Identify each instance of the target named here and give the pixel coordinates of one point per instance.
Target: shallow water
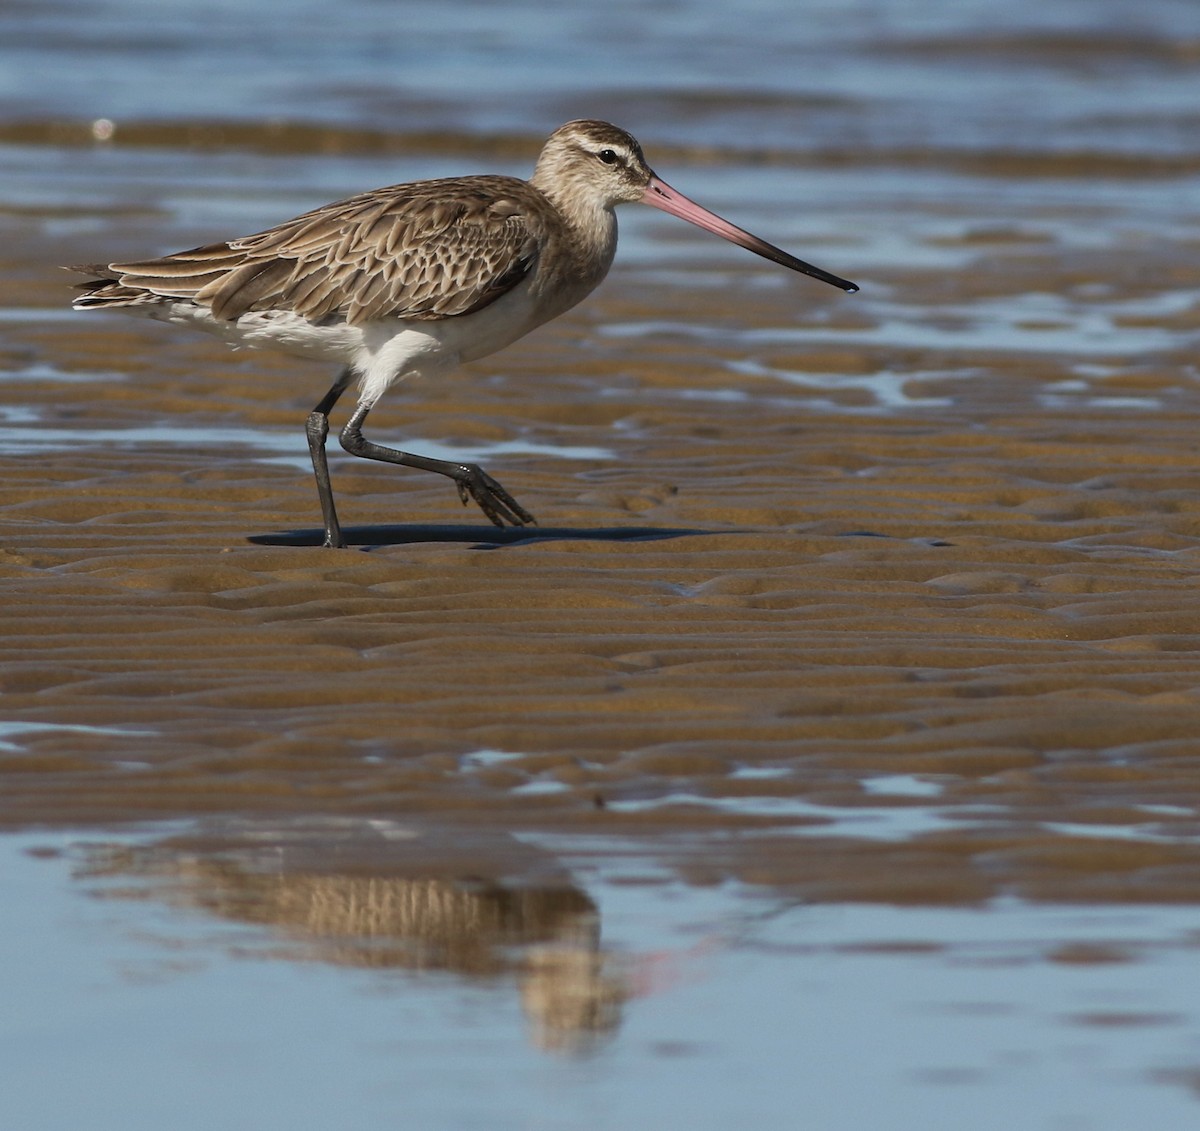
(831, 743)
(150, 968)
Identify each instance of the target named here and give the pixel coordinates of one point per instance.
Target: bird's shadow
(481, 537)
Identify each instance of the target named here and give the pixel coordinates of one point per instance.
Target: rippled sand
(790, 543)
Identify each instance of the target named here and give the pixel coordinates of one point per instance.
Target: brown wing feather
(429, 250)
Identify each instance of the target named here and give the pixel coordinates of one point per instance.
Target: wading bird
(415, 279)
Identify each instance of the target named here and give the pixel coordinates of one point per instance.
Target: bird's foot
(495, 502)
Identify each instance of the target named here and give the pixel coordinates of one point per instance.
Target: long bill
(659, 194)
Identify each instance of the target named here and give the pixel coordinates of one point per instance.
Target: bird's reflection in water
(369, 894)
(571, 992)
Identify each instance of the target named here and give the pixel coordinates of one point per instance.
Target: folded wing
(425, 251)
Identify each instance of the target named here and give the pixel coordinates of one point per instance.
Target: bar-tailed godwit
(416, 278)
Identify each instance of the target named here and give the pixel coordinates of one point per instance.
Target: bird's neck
(586, 241)
(590, 220)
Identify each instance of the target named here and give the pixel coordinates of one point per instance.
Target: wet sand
(753, 604)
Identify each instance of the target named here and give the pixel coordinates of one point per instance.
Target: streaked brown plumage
(416, 278)
(431, 250)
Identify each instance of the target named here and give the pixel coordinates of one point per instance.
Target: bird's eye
(608, 156)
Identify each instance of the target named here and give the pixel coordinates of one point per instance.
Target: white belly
(380, 352)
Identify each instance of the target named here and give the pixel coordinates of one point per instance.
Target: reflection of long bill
(659, 194)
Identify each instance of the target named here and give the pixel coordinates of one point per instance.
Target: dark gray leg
(472, 481)
(317, 428)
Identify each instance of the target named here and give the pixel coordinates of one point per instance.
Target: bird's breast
(573, 262)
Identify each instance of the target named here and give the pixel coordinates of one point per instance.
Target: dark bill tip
(661, 195)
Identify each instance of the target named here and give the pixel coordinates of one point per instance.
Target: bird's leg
(317, 427)
(472, 481)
